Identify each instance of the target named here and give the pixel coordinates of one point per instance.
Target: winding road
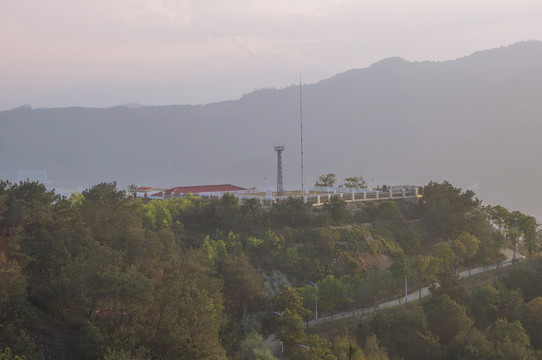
(274, 344)
(415, 295)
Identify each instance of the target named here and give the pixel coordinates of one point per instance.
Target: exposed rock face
(274, 282)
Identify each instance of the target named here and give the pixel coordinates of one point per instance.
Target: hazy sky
(56, 52)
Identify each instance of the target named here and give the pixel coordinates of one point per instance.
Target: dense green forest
(100, 275)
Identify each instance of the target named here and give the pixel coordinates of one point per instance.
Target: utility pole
(301, 121)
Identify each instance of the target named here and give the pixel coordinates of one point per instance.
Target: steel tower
(279, 148)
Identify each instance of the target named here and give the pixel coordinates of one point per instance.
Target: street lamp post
(316, 286)
(406, 290)
(307, 347)
(282, 332)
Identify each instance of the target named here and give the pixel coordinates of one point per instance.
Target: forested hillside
(99, 275)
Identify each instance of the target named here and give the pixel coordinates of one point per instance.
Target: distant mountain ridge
(473, 121)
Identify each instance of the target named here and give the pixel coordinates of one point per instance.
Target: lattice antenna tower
(279, 148)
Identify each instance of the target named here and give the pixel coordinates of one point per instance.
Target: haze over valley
(151, 156)
(473, 121)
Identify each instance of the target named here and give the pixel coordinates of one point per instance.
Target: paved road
(415, 295)
(274, 344)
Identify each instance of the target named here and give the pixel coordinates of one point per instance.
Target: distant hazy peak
(512, 58)
(521, 51)
(390, 62)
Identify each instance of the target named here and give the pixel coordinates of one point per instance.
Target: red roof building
(200, 190)
(143, 188)
(143, 191)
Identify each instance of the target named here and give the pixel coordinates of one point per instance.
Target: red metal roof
(204, 189)
(185, 190)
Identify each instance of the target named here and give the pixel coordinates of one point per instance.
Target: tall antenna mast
(301, 121)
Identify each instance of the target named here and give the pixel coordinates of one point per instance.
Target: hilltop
(472, 120)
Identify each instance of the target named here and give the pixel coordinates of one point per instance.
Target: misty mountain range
(474, 121)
